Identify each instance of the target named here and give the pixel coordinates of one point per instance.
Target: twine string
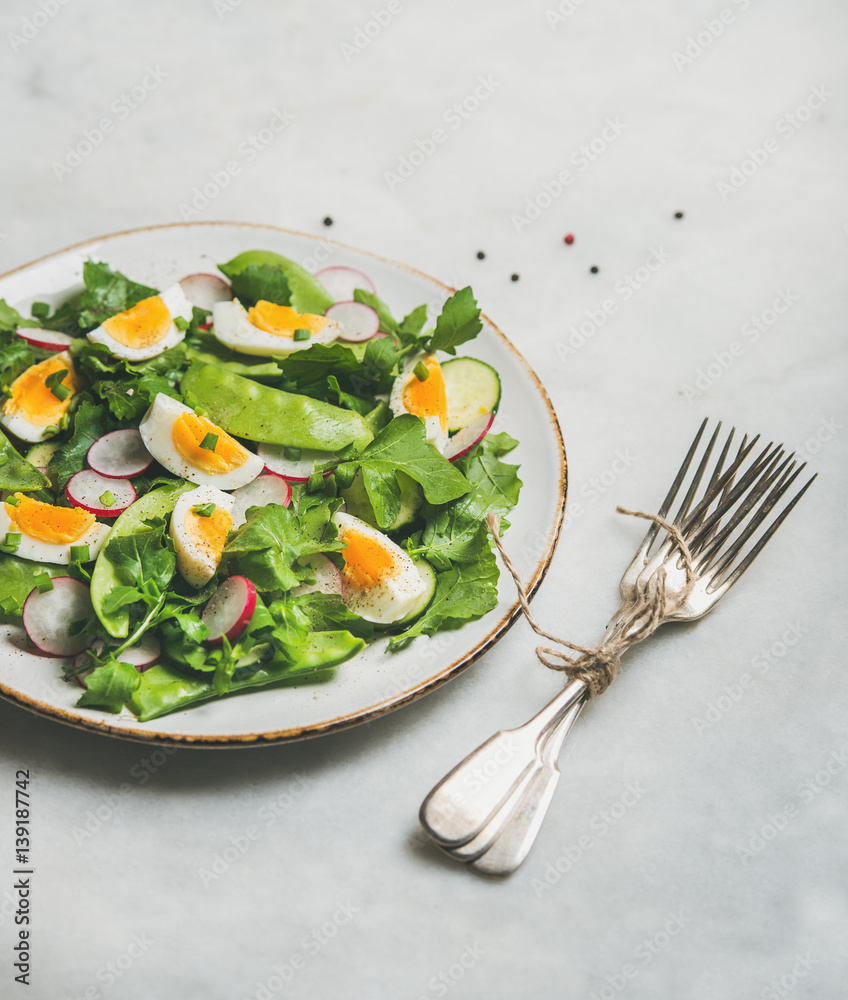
(597, 666)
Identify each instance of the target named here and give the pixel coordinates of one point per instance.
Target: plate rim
(341, 722)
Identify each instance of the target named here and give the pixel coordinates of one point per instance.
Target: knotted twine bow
(597, 666)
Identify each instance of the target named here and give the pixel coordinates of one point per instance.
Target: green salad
(242, 479)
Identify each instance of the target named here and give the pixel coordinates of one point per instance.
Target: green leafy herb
(16, 473)
(91, 421)
(259, 282)
(110, 685)
(209, 442)
(18, 577)
(204, 509)
(388, 324)
(458, 322)
(107, 292)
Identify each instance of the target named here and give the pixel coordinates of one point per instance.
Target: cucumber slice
(358, 504)
(473, 388)
(40, 454)
(428, 575)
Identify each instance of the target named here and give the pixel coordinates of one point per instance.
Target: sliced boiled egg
(269, 330)
(33, 410)
(47, 533)
(200, 523)
(194, 448)
(426, 398)
(147, 328)
(379, 580)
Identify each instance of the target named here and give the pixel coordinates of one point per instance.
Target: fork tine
(647, 541)
(699, 473)
(724, 482)
(781, 473)
(761, 542)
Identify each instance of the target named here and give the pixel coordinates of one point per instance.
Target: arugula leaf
(16, 356)
(10, 318)
(265, 547)
(110, 685)
(90, 422)
(388, 324)
(205, 347)
(259, 281)
(462, 593)
(412, 325)
(458, 322)
(107, 292)
(145, 563)
(16, 473)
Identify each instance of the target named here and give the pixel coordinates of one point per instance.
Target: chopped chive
(80, 553)
(180, 323)
(13, 500)
(314, 482)
(200, 412)
(107, 499)
(50, 430)
(204, 509)
(421, 372)
(54, 384)
(292, 454)
(40, 310)
(12, 540)
(209, 442)
(302, 334)
(9, 605)
(44, 583)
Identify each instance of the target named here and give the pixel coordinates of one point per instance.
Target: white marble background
(662, 900)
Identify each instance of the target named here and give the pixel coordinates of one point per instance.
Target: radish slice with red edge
(463, 441)
(358, 321)
(328, 580)
(341, 282)
(295, 470)
(142, 656)
(119, 455)
(47, 340)
(204, 290)
(265, 489)
(229, 610)
(47, 617)
(99, 495)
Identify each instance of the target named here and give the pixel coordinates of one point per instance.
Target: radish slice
(263, 490)
(204, 290)
(229, 610)
(463, 441)
(119, 455)
(294, 470)
(358, 321)
(47, 617)
(328, 580)
(47, 340)
(142, 656)
(87, 489)
(340, 282)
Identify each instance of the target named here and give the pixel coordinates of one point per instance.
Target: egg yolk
(427, 398)
(209, 534)
(366, 561)
(283, 320)
(188, 433)
(30, 397)
(46, 523)
(145, 324)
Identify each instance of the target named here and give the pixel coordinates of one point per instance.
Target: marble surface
(695, 846)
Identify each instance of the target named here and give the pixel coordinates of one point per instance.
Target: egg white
(177, 304)
(25, 429)
(233, 329)
(433, 432)
(391, 598)
(53, 552)
(157, 433)
(196, 562)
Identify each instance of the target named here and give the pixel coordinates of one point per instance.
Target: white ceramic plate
(374, 682)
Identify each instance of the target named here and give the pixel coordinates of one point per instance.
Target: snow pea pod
(308, 295)
(260, 413)
(157, 503)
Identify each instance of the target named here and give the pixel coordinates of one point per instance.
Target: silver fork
(489, 808)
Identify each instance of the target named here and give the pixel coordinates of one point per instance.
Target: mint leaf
(458, 322)
(107, 292)
(259, 281)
